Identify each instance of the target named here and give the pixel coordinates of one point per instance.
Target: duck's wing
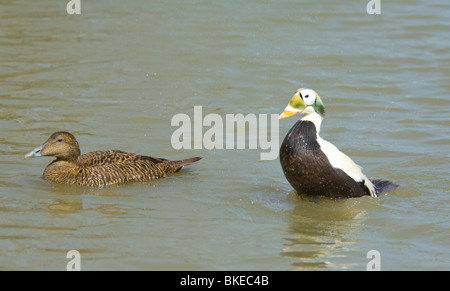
(103, 158)
(343, 162)
(132, 169)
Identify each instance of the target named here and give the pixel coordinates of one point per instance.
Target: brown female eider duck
(100, 168)
(314, 166)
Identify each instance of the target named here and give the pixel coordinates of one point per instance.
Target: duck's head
(61, 145)
(305, 101)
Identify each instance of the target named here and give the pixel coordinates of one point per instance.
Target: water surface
(116, 74)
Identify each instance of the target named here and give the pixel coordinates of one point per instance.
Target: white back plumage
(337, 158)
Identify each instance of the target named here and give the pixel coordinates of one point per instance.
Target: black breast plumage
(308, 169)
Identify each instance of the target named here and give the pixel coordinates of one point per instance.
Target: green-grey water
(116, 74)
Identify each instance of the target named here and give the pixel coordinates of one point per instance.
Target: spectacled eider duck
(100, 168)
(315, 167)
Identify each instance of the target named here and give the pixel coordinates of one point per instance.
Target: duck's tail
(175, 166)
(190, 161)
(383, 186)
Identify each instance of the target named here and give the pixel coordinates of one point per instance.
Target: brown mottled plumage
(100, 168)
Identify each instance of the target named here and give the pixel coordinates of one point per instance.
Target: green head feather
(304, 98)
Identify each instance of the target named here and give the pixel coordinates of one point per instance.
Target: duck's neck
(314, 118)
(71, 160)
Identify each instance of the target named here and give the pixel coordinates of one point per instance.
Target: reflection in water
(322, 230)
(66, 205)
(69, 199)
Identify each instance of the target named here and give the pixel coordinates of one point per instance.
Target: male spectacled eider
(100, 168)
(314, 166)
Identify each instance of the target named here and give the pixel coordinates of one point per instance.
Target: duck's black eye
(60, 140)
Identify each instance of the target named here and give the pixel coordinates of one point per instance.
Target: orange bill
(286, 114)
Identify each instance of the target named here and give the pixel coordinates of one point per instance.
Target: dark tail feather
(383, 186)
(187, 162)
(175, 166)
